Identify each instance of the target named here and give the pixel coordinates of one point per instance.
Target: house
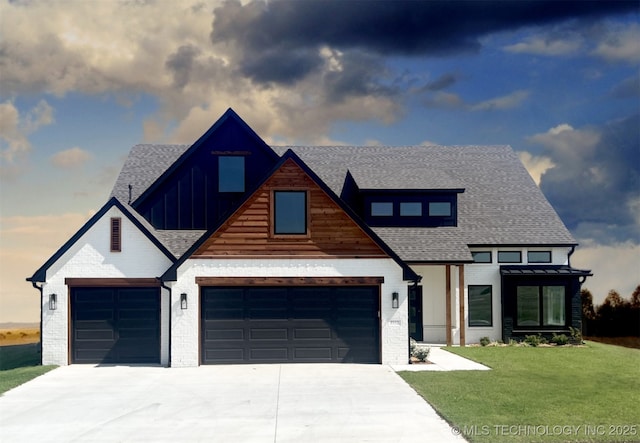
(232, 251)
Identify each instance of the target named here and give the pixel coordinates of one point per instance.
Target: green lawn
(19, 364)
(554, 394)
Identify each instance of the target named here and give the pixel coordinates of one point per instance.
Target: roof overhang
(543, 270)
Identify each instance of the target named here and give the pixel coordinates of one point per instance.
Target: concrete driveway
(264, 403)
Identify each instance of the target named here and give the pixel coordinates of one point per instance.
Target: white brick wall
(90, 257)
(185, 323)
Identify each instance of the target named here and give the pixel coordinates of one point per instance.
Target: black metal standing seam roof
(500, 205)
(543, 270)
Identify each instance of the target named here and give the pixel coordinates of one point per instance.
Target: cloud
(535, 165)
(620, 44)
(70, 158)
(595, 180)
(509, 101)
(539, 45)
(442, 82)
(436, 28)
(15, 129)
(627, 88)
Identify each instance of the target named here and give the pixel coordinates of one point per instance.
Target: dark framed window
(290, 212)
(541, 306)
(509, 257)
(231, 174)
(381, 209)
(411, 209)
(539, 257)
(116, 234)
(439, 209)
(481, 256)
(480, 312)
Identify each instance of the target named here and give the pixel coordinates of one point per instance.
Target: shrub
(559, 340)
(576, 336)
(484, 341)
(422, 353)
(535, 340)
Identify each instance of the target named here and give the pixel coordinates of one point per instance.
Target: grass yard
(546, 394)
(19, 364)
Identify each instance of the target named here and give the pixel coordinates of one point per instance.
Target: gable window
(540, 306)
(440, 209)
(381, 209)
(116, 234)
(481, 256)
(231, 174)
(509, 257)
(480, 305)
(410, 209)
(290, 212)
(539, 256)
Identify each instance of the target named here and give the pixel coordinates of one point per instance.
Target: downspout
(162, 285)
(40, 289)
(573, 249)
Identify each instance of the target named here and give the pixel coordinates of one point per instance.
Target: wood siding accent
(113, 282)
(462, 308)
(331, 232)
(289, 281)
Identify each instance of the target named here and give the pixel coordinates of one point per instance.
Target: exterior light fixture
(183, 301)
(53, 302)
(394, 300)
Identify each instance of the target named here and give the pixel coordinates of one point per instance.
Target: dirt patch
(627, 342)
(22, 336)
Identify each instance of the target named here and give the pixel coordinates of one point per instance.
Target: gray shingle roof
(500, 205)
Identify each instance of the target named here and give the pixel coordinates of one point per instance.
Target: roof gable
(41, 274)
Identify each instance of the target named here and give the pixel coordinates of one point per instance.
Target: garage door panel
(115, 325)
(290, 324)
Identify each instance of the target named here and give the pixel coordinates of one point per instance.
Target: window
(411, 209)
(480, 305)
(481, 256)
(509, 257)
(541, 306)
(440, 209)
(290, 212)
(116, 234)
(230, 174)
(539, 256)
(381, 209)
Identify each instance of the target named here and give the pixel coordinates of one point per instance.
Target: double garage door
(290, 324)
(115, 325)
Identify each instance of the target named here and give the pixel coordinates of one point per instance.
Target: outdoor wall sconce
(183, 301)
(53, 302)
(394, 300)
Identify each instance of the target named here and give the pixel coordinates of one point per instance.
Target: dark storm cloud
(408, 28)
(596, 195)
(181, 63)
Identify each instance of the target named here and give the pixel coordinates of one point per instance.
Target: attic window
(440, 209)
(116, 234)
(290, 213)
(381, 209)
(230, 174)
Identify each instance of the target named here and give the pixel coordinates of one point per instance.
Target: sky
(81, 82)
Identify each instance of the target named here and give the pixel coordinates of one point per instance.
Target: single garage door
(115, 325)
(290, 324)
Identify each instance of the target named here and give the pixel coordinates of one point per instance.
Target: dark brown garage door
(115, 325)
(290, 324)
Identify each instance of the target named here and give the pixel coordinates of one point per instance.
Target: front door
(415, 312)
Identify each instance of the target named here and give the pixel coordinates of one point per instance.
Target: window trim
(244, 173)
(273, 218)
(541, 307)
(510, 261)
(550, 260)
(482, 262)
(115, 234)
(381, 203)
(490, 325)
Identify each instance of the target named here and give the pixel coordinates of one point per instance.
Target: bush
(560, 340)
(422, 353)
(535, 340)
(484, 341)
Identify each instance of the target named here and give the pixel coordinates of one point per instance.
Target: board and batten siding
(330, 230)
